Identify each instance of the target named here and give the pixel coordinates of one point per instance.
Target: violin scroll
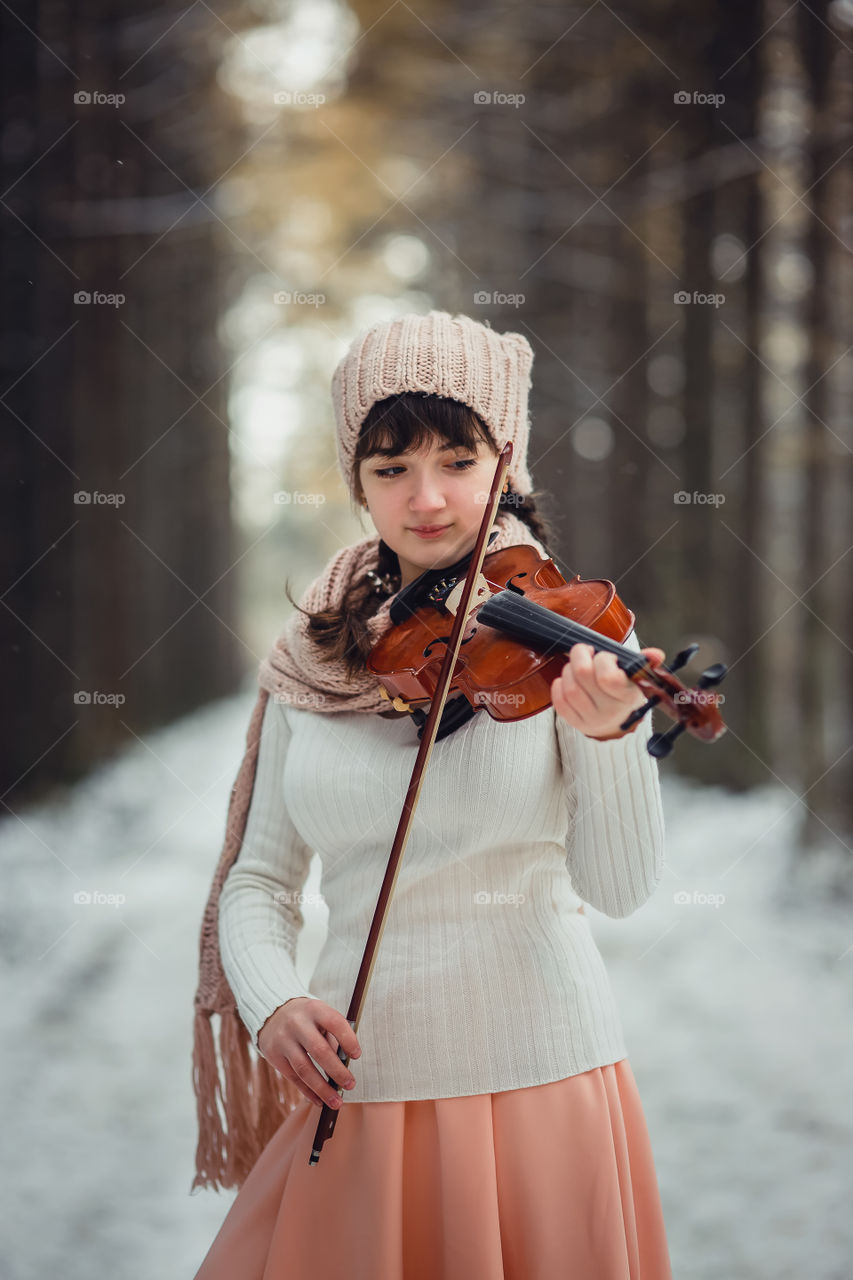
(660, 744)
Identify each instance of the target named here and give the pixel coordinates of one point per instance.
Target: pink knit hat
(442, 355)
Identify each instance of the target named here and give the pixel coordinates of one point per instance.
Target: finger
(591, 697)
(344, 1034)
(307, 1072)
(328, 1061)
(655, 656)
(571, 701)
(333, 1040)
(582, 660)
(612, 682)
(335, 1045)
(563, 706)
(289, 1074)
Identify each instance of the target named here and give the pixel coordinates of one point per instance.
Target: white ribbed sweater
(487, 976)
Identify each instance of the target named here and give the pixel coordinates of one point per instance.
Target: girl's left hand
(594, 695)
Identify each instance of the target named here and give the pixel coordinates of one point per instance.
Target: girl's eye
(461, 464)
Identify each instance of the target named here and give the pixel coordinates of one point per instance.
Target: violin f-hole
(445, 640)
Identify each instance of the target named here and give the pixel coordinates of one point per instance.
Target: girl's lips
(431, 533)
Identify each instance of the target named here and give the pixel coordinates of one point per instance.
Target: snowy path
(737, 1019)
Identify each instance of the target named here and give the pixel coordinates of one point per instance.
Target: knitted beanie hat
(442, 355)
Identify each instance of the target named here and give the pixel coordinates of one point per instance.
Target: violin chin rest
(457, 711)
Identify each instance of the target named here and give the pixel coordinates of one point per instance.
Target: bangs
(405, 423)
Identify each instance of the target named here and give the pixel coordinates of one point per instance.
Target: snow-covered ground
(736, 1005)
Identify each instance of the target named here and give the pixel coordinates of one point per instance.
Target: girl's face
(439, 486)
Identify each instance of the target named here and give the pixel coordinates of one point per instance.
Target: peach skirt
(529, 1184)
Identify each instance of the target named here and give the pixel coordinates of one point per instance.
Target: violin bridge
(479, 595)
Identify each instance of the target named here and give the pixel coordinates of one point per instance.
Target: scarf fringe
(253, 1097)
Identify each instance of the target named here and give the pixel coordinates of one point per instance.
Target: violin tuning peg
(712, 676)
(681, 659)
(660, 744)
(637, 715)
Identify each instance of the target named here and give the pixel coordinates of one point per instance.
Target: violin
(524, 620)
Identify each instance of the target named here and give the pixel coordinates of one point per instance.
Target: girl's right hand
(301, 1027)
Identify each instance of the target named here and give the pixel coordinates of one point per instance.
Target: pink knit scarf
(241, 1103)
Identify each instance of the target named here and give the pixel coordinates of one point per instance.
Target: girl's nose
(427, 496)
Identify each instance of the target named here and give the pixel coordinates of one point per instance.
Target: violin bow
(474, 585)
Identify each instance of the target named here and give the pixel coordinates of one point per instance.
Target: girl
(491, 1126)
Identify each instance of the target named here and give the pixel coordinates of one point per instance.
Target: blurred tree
(126, 593)
(824, 655)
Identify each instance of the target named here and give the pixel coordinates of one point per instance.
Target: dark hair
(400, 424)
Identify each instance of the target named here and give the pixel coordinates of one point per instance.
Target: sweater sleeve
(615, 845)
(259, 912)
